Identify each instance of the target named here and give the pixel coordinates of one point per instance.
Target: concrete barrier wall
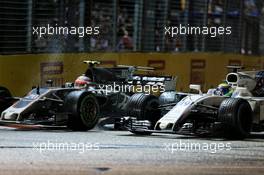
(20, 72)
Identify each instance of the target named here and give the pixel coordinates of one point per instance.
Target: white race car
(213, 113)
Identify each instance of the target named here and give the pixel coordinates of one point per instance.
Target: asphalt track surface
(120, 152)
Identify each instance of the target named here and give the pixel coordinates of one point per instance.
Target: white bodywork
(14, 112)
(169, 119)
(181, 110)
(242, 83)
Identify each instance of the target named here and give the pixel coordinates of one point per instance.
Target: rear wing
(234, 69)
(135, 68)
(127, 74)
(138, 68)
(169, 82)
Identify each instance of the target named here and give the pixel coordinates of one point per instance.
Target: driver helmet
(82, 81)
(223, 88)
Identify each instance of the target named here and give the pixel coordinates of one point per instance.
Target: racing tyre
(4, 103)
(83, 113)
(143, 107)
(236, 117)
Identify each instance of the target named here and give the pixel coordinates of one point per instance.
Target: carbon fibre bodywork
(55, 106)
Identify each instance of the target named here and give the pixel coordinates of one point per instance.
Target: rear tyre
(84, 116)
(236, 117)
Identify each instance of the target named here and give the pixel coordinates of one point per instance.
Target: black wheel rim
(88, 111)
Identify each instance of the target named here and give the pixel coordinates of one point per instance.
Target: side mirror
(196, 87)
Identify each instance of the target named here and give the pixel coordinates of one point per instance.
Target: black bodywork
(52, 106)
(63, 106)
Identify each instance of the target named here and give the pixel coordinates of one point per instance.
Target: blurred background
(132, 33)
(132, 25)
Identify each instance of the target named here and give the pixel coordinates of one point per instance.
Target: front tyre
(85, 114)
(235, 114)
(144, 107)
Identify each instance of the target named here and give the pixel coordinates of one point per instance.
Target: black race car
(6, 99)
(79, 105)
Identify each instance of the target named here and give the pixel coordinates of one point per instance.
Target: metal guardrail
(132, 25)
